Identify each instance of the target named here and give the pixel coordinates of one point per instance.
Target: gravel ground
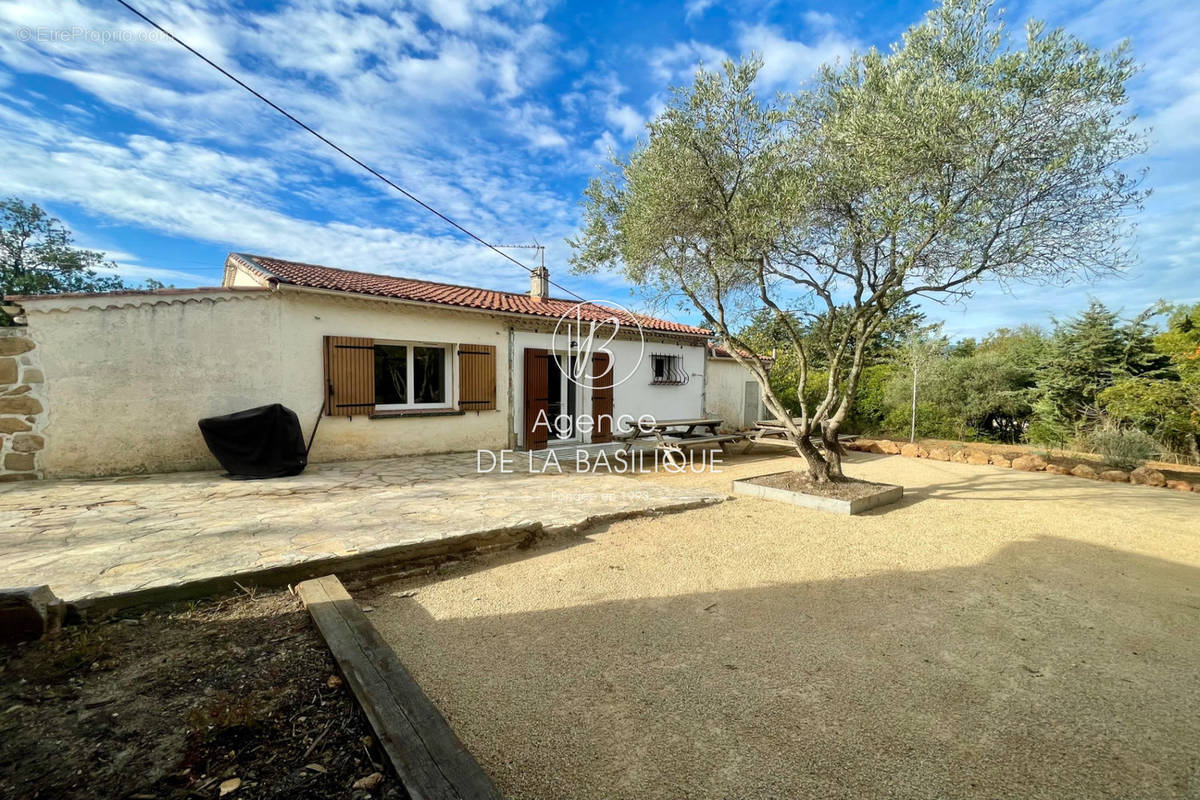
(996, 634)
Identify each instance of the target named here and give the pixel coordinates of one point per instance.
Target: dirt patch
(800, 482)
(171, 705)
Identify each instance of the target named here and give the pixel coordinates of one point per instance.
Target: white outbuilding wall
(732, 394)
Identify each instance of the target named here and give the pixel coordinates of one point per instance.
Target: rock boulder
(1029, 463)
(29, 613)
(1146, 476)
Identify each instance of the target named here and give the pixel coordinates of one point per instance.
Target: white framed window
(412, 375)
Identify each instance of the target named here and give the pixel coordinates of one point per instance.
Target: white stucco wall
(725, 392)
(127, 378)
(309, 317)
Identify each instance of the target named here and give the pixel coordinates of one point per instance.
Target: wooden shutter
(349, 376)
(477, 377)
(537, 397)
(602, 398)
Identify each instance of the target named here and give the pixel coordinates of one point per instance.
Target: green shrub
(1124, 448)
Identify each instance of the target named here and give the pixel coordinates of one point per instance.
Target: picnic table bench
(666, 435)
(768, 430)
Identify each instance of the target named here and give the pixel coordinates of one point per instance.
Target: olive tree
(959, 156)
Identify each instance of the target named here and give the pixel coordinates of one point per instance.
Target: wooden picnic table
(672, 435)
(766, 430)
(666, 426)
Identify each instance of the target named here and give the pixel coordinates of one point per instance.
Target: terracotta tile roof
(720, 351)
(314, 276)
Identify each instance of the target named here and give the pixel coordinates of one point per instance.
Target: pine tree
(1089, 353)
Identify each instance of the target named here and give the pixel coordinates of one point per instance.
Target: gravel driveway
(998, 634)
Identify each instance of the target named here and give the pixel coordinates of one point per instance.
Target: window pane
(391, 374)
(429, 375)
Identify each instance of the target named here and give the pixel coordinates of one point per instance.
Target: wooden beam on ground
(431, 761)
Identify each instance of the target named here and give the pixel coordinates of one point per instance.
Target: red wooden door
(537, 398)
(602, 398)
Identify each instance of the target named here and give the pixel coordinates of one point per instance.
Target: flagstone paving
(92, 539)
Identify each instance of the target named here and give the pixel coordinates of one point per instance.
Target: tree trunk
(818, 466)
(833, 450)
(912, 431)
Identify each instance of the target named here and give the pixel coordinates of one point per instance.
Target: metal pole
(912, 433)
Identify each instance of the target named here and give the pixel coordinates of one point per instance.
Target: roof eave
(295, 287)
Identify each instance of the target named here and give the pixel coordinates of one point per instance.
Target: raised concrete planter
(886, 495)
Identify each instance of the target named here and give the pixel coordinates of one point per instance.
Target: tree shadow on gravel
(1055, 669)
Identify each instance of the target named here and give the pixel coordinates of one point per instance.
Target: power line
(336, 147)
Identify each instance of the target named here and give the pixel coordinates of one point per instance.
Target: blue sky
(495, 113)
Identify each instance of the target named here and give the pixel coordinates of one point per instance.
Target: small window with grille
(667, 370)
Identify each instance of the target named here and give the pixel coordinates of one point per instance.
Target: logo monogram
(581, 339)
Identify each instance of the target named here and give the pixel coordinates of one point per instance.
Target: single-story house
(114, 383)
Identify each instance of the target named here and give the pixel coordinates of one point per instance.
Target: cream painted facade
(128, 375)
(732, 393)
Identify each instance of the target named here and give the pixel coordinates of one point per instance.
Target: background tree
(37, 257)
(920, 354)
(954, 158)
(1164, 402)
(1088, 354)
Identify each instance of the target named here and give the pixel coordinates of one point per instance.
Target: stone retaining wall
(22, 406)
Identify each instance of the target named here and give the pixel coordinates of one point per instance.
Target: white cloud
(696, 8)
(676, 65)
(624, 118)
(186, 202)
(819, 20)
(788, 63)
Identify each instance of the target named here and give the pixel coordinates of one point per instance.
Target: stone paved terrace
(144, 537)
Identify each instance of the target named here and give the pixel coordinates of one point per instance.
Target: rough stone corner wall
(22, 406)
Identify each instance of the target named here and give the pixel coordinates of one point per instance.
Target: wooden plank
(477, 377)
(431, 761)
(693, 440)
(602, 398)
(536, 391)
(349, 376)
(679, 423)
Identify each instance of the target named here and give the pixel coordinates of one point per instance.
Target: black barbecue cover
(263, 442)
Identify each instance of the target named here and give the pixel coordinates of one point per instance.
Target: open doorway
(562, 398)
(551, 399)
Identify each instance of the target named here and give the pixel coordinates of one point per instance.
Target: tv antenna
(540, 248)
